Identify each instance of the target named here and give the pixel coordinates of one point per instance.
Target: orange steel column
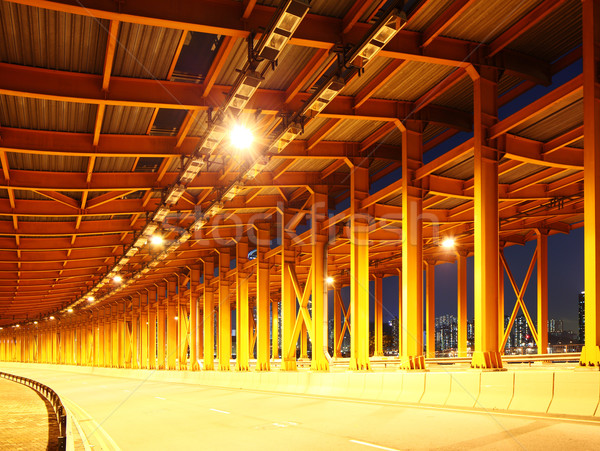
(319, 361)
(412, 250)
(304, 343)
(461, 270)
(172, 323)
(114, 332)
(144, 322)
(152, 325)
(194, 323)
(135, 339)
(542, 291)
(123, 339)
(208, 314)
(359, 270)
(275, 330)
(590, 354)
(378, 313)
(486, 352)
(337, 320)
(399, 270)
(501, 303)
(242, 309)
(161, 317)
(262, 298)
(430, 307)
(288, 304)
(224, 311)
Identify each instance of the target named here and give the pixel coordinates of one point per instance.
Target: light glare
(90, 298)
(241, 137)
(448, 243)
(156, 240)
(329, 280)
(118, 279)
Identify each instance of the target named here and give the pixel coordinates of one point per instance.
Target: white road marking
(279, 425)
(158, 397)
(358, 442)
(221, 411)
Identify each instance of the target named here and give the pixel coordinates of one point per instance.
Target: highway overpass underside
(135, 233)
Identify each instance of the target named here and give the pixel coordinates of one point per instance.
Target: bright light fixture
(156, 240)
(35, 322)
(241, 137)
(448, 243)
(70, 310)
(90, 298)
(117, 279)
(329, 280)
(52, 317)
(177, 318)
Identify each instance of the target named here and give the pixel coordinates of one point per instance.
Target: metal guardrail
(53, 398)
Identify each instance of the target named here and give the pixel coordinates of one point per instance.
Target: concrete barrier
(391, 387)
(576, 392)
(339, 383)
(496, 390)
(464, 389)
(437, 388)
(373, 386)
(413, 386)
(533, 391)
(356, 384)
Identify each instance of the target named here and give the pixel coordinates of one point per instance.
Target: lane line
(221, 411)
(372, 445)
(158, 397)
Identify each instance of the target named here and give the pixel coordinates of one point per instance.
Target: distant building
(555, 325)
(446, 332)
(582, 317)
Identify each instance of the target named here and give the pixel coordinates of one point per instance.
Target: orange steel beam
(180, 44)
(111, 46)
(322, 133)
(59, 197)
(248, 7)
(302, 78)
(379, 134)
(215, 68)
(444, 20)
(378, 81)
(572, 88)
(525, 24)
(354, 14)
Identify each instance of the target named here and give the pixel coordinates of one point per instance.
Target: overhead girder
(63, 86)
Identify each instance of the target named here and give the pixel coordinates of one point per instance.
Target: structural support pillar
(224, 311)
(208, 312)
(320, 353)
(275, 330)
(590, 354)
(486, 353)
(337, 321)
(152, 326)
(412, 357)
(542, 291)
(242, 309)
(461, 270)
(161, 316)
(378, 311)
(263, 300)
(144, 331)
(359, 269)
(430, 308)
(194, 329)
(288, 303)
(172, 320)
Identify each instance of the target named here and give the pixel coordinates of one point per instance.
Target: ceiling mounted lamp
(243, 90)
(131, 251)
(286, 23)
(174, 193)
(156, 240)
(90, 298)
(198, 223)
(448, 243)
(232, 191)
(161, 213)
(285, 137)
(70, 310)
(241, 137)
(381, 33)
(117, 279)
(213, 137)
(329, 280)
(192, 166)
(321, 98)
(256, 168)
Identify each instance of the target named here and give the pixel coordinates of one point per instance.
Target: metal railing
(53, 398)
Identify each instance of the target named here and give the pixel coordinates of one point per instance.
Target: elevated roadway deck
(182, 410)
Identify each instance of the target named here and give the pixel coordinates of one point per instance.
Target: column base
(288, 365)
(487, 360)
(264, 366)
(242, 367)
(318, 365)
(412, 362)
(590, 356)
(356, 365)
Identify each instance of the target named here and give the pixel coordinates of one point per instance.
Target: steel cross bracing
(422, 74)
